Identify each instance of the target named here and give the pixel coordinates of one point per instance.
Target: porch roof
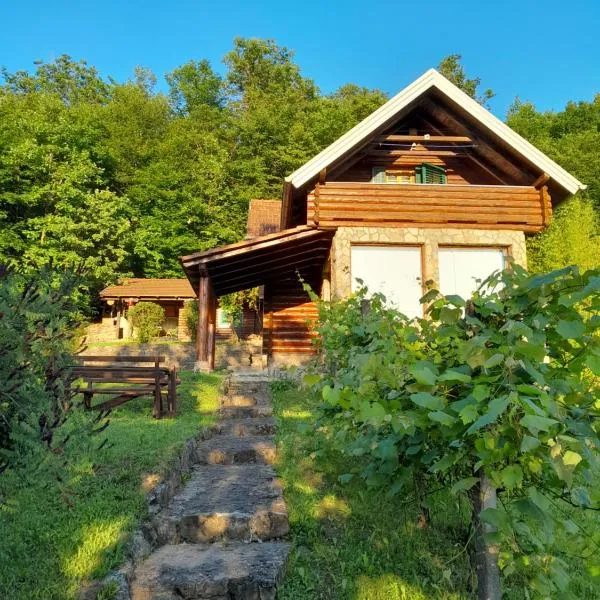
(251, 263)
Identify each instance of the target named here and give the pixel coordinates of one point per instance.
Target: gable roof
(263, 217)
(386, 113)
(149, 288)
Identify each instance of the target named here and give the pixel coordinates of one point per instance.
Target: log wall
(287, 317)
(334, 204)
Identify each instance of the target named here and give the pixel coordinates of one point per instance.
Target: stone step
(246, 412)
(230, 450)
(246, 427)
(234, 571)
(245, 400)
(248, 387)
(237, 502)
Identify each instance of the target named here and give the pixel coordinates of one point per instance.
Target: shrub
(496, 395)
(190, 316)
(39, 321)
(147, 319)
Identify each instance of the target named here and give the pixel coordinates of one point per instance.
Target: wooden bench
(156, 381)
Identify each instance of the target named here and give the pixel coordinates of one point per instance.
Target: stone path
(221, 536)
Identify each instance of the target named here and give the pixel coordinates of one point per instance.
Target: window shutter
(378, 175)
(427, 173)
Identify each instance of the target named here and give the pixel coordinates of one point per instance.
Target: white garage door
(394, 271)
(460, 268)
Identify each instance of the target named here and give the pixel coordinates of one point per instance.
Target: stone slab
(235, 571)
(235, 502)
(231, 450)
(246, 427)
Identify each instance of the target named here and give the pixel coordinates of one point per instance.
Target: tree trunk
(483, 496)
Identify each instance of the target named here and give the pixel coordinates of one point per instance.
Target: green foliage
(126, 179)
(349, 542)
(147, 319)
(570, 137)
(510, 390)
(39, 317)
(451, 68)
(190, 316)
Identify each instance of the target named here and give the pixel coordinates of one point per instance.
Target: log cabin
(429, 187)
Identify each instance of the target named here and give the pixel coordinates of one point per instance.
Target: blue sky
(544, 51)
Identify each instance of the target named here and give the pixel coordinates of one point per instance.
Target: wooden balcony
(332, 204)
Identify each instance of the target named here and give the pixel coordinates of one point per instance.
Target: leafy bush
(496, 394)
(147, 319)
(190, 316)
(39, 320)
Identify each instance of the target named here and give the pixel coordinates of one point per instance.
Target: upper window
(427, 173)
(424, 173)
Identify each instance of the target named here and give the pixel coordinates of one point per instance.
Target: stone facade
(429, 240)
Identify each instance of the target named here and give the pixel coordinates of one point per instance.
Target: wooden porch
(273, 261)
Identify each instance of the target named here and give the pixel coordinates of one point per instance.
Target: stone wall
(105, 331)
(428, 239)
(182, 331)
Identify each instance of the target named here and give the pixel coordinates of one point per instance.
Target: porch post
(205, 336)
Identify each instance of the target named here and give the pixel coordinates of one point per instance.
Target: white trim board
(432, 79)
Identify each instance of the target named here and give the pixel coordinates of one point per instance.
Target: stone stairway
(220, 538)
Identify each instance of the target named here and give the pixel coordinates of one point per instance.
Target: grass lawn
(54, 536)
(351, 542)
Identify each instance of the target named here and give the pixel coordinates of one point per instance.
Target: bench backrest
(86, 358)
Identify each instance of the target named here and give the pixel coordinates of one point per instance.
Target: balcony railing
(334, 204)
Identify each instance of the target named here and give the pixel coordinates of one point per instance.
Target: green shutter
(427, 173)
(378, 175)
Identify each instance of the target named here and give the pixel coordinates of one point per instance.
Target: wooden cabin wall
(287, 314)
(459, 170)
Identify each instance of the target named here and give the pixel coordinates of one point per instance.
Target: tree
(451, 68)
(570, 137)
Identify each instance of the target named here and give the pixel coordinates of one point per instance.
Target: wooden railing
(334, 204)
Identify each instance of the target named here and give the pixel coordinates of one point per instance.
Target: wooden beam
(541, 181)
(424, 139)
(484, 148)
(472, 157)
(205, 337)
(409, 152)
(487, 169)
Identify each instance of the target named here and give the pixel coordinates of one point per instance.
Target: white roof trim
(401, 100)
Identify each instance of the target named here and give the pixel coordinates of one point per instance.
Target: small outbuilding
(170, 294)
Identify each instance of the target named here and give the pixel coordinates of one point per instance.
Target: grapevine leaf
(570, 330)
(468, 414)
(571, 459)
(494, 361)
(536, 423)
(511, 476)
(593, 362)
(427, 400)
(423, 374)
(441, 417)
(529, 443)
(453, 375)
(463, 485)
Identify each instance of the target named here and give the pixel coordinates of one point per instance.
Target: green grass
(57, 535)
(351, 542)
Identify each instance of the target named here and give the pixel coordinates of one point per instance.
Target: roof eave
(432, 79)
